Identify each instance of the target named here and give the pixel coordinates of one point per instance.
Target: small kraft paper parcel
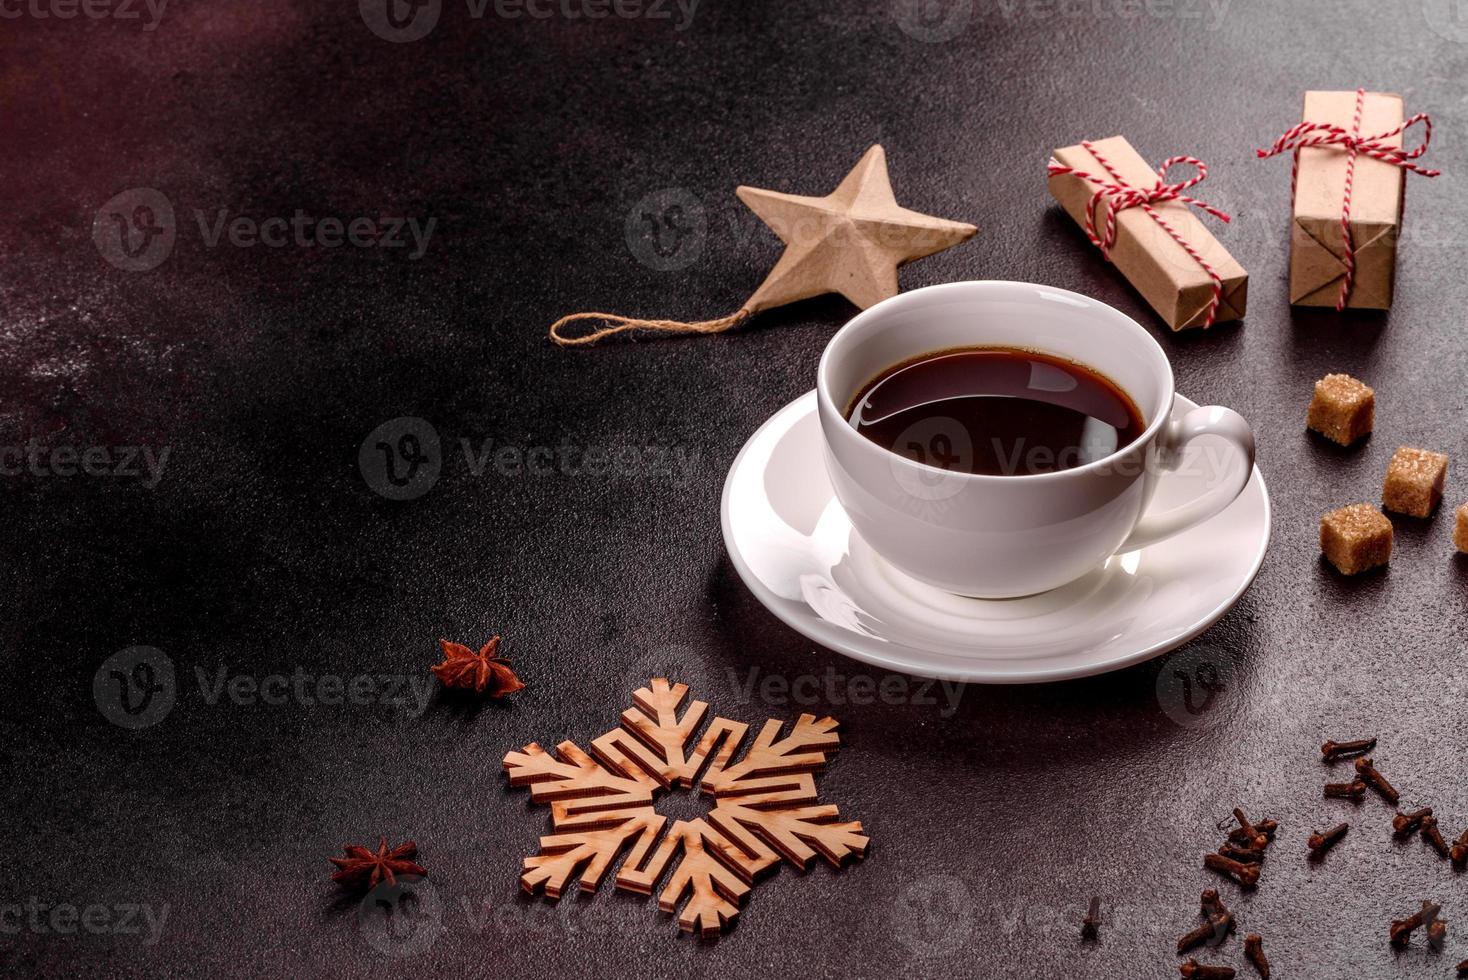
(1349, 181)
(1146, 228)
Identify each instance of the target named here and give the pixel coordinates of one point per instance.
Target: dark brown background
(263, 550)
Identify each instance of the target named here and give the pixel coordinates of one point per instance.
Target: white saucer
(796, 550)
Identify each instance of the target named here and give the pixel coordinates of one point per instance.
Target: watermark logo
(666, 229)
(932, 21)
(946, 450)
(934, 916)
(401, 459)
(400, 21)
(1196, 686)
(1447, 19)
(135, 231)
(401, 919)
(135, 688)
(1260, 224)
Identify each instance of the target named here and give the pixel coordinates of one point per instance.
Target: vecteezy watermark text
(944, 443)
(42, 918)
(137, 229)
(590, 10)
(403, 21)
(837, 689)
(570, 460)
(141, 463)
(943, 20)
(138, 687)
(302, 230)
(402, 459)
(308, 690)
(1102, 10)
(90, 9)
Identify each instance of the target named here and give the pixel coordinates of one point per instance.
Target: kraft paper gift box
(1317, 241)
(1174, 283)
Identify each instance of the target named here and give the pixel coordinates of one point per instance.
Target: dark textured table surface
(518, 146)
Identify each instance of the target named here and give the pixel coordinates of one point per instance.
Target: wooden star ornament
(850, 242)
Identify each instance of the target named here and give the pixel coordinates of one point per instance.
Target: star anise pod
(364, 869)
(483, 671)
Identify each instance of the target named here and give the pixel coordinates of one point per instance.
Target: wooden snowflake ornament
(602, 804)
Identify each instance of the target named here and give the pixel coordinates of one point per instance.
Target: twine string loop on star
(621, 324)
(1118, 196)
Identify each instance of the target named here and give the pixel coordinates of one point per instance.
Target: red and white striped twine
(1119, 195)
(1325, 134)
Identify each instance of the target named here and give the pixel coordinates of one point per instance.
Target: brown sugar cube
(1342, 410)
(1356, 538)
(1414, 481)
(1460, 530)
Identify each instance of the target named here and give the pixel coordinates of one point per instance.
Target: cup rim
(877, 310)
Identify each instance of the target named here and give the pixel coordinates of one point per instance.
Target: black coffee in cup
(996, 411)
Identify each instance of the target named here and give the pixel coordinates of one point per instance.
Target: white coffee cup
(1006, 536)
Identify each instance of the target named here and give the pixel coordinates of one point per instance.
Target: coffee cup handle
(1175, 435)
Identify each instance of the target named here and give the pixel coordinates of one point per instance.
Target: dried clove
(1220, 922)
(1404, 823)
(1437, 929)
(1252, 835)
(1330, 751)
(1401, 930)
(1196, 936)
(1247, 875)
(1254, 953)
(1459, 851)
(1247, 855)
(1367, 771)
(1092, 922)
(1193, 970)
(1320, 842)
(1212, 932)
(1265, 827)
(1353, 790)
(1433, 836)
(1213, 929)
